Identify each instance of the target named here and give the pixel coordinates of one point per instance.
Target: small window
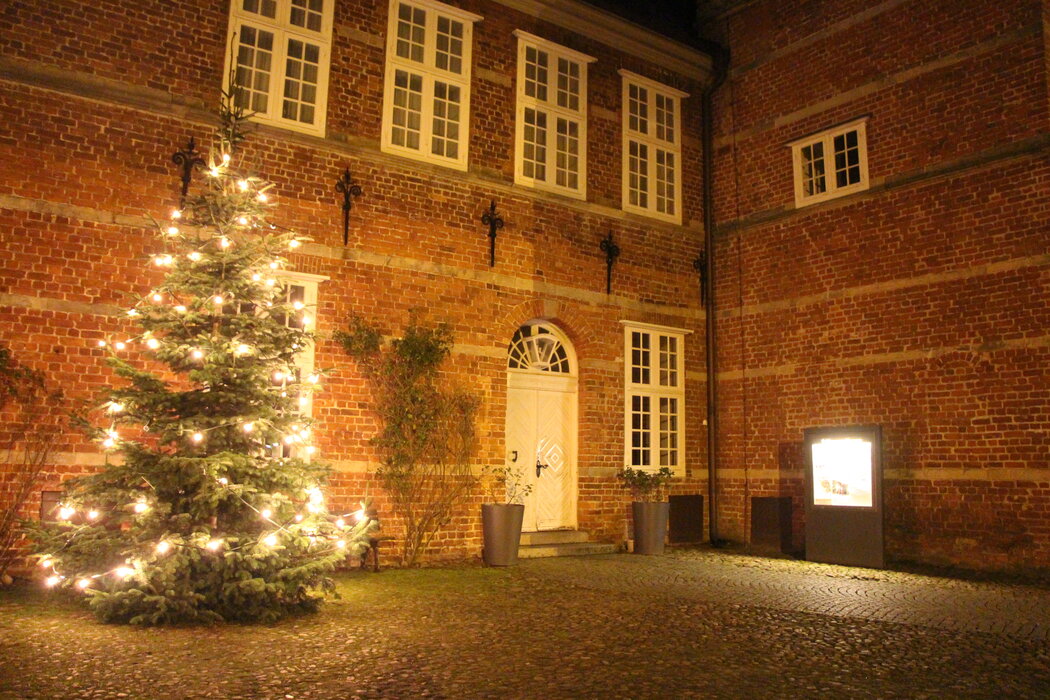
(278, 56)
(426, 104)
(537, 348)
(551, 135)
(831, 164)
(654, 378)
(652, 148)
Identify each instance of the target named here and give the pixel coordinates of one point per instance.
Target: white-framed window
(278, 54)
(551, 118)
(831, 164)
(654, 396)
(300, 289)
(652, 148)
(426, 99)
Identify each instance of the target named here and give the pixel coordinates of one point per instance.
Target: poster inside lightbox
(842, 472)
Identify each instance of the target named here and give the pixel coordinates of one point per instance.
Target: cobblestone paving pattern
(689, 625)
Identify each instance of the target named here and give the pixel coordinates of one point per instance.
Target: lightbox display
(843, 472)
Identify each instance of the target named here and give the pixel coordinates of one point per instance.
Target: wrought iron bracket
(700, 265)
(188, 159)
(348, 188)
(495, 222)
(612, 251)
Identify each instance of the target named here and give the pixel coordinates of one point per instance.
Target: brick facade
(96, 98)
(920, 304)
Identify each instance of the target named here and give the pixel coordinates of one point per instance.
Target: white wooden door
(541, 431)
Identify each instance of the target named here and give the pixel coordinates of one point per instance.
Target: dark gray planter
(650, 526)
(501, 530)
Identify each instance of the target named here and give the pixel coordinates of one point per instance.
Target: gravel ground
(693, 624)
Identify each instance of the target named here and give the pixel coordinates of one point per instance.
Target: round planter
(501, 530)
(650, 526)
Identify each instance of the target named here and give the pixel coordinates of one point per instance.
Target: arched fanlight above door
(538, 347)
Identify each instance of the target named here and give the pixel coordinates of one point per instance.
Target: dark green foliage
(427, 436)
(645, 485)
(215, 510)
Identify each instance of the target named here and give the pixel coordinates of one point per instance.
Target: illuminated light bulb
(197, 354)
(214, 172)
(194, 256)
(52, 581)
(274, 265)
(197, 437)
(109, 443)
(214, 545)
(265, 513)
(270, 540)
(45, 562)
(340, 543)
(304, 433)
(313, 507)
(303, 401)
(289, 439)
(299, 517)
(243, 349)
(315, 494)
(312, 379)
(83, 583)
(65, 513)
(133, 312)
(359, 514)
(294, 243)
(261, 197)
(102, 343)
(306, 320)
(340, 523)
(284, 394)
(225, 157)
(298, 305)
(181, 309)
(256, 277)
(153, 343)
(157, 297)
(176, 214)
(224, 242)
(92, 514)
(141, 507)
(242, 220)
(119, 345)
(160, 261)
(218, 299)
(123, 571)
(243, 184)
(278, 376)
(223, 480)
(248, 427)
(271, 282)
(115, 407)
(172, 230)
(113, 434)
(310, 449)
(163, 547)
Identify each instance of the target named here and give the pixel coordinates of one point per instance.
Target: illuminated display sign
(842, 472)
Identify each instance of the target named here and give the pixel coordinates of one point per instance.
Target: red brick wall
(920, 305)
(101, 95)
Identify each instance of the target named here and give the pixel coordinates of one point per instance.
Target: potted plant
(501, 522)
(649, 508)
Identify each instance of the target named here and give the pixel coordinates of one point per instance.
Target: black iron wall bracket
(700, 265)
(495, 222)
(348, 188)
(188, 159)
(612, 251)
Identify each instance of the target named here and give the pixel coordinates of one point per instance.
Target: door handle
(540, 466)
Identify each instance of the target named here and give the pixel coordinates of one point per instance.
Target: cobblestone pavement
(841, 591)
(693, 624)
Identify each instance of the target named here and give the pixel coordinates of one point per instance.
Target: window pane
(252, 77)
(534, 145)
(536, 73)
(411, 30)
(641, 430)
(641, 362)
(449, 45)
(568, 84)
(665, 181)
(567, 167)
(668, 422)
(638, 109)
(668, 361)
(266, 8)
(300, 81)
(407, 113)
(445, 134)
(813, 169)
(638, 174)
(307, 14)
(847, 159)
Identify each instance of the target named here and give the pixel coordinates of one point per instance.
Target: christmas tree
(215, 511)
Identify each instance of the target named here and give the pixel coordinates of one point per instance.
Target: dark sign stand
(844, 495)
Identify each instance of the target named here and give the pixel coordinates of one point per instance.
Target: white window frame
(655, 391)
(553, 112)
(827, 140)
(651, 142)
(283, 30)
(430, 73)
(305, 358)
